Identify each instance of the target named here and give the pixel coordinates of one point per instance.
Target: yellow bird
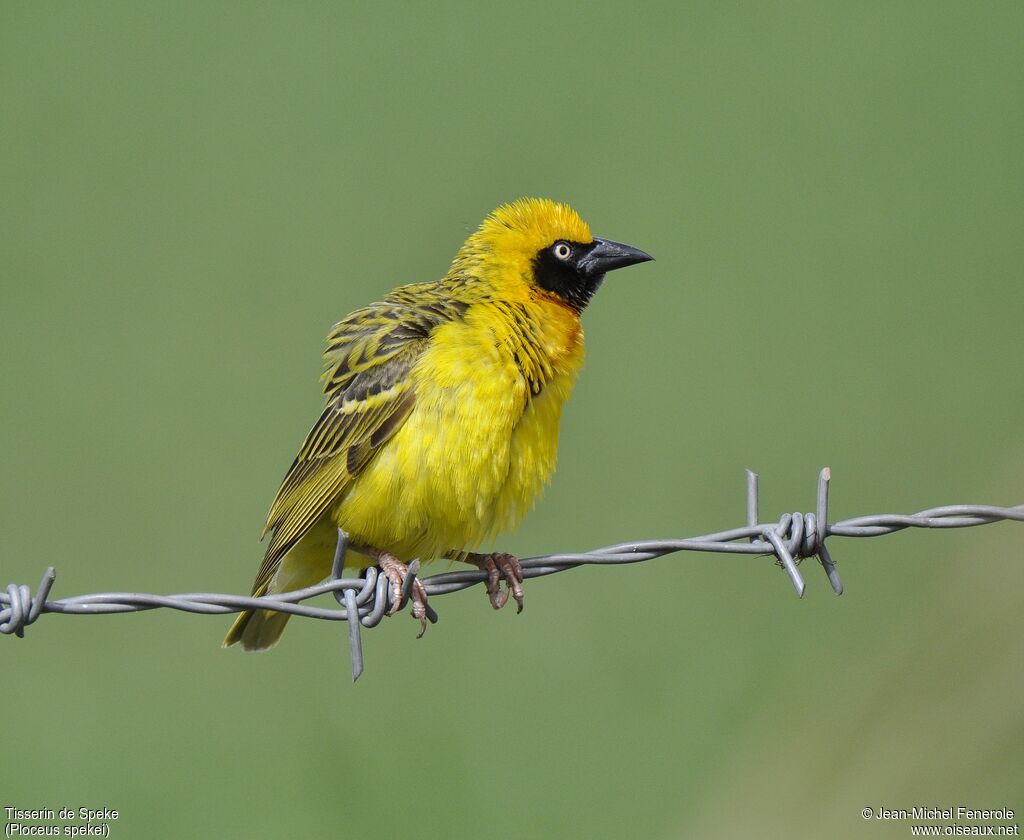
(442, 415)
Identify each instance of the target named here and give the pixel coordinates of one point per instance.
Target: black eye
(562, 250)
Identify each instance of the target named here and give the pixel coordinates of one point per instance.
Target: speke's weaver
(443, 406)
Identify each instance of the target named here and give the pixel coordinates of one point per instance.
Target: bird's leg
(500, 566)
(396, 571)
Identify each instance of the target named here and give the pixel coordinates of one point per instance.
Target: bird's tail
(257, 629)
(303, 566)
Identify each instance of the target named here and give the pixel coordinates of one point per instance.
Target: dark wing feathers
(370, 393)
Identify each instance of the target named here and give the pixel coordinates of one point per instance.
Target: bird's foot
(397, 572)
(500, 566)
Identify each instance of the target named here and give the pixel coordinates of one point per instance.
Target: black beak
(606, 255)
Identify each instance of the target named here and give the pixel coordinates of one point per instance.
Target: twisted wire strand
(794, 537)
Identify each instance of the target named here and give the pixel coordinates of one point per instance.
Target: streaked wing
(369, 360)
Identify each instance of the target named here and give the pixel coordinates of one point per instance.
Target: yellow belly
(471, 458)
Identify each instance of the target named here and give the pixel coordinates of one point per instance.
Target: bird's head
(541, 246)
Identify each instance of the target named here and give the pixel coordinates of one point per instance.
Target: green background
(193, 193)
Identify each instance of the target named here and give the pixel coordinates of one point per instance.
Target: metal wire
(794, 537)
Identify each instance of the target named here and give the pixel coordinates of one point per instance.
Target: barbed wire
(793, 537)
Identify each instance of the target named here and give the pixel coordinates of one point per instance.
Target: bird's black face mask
(574, 270)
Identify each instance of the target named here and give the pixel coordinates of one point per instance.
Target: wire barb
(20, 609)
(365, 600)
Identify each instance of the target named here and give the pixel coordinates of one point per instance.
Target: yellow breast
(482, 439)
